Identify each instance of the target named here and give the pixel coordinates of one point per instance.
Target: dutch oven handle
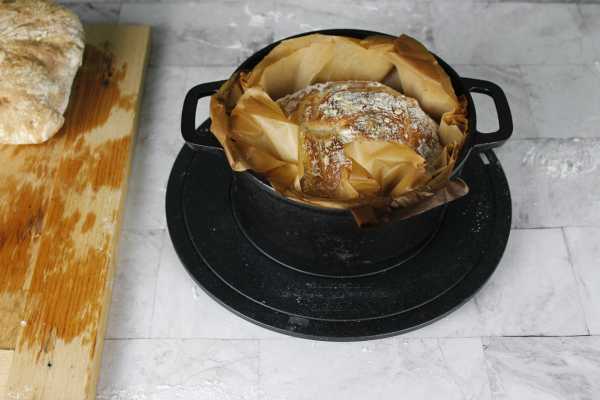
(199, 138)
(485, 141)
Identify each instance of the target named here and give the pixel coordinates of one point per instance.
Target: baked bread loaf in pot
(335, 115)
(310, 149)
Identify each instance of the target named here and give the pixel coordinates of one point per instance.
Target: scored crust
(41, 48)
(334, 114)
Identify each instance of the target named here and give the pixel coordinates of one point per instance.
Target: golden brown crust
(332, 115)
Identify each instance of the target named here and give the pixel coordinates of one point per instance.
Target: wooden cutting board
(61, 205)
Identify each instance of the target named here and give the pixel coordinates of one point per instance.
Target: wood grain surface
(61, 204)
(5, 363)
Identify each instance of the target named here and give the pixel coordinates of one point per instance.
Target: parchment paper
(256, 134)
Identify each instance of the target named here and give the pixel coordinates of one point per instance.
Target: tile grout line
(537, 228)
(485, 365)
(548, 138)
(450, 372)
(135, 231)
(149, 338)
(579, 299)
(541, 336)
(581, 15)
(162, 248)
(541, 228)
(541, 2)
(259, 393)
(288, 338)
(529, 95)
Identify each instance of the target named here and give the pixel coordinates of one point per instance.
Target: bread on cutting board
(41, 49)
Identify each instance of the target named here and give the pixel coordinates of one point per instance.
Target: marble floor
(533, 332)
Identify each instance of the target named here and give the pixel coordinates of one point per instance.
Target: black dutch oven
(327, 242)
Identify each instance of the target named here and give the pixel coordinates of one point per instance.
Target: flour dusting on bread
(41, 49)
(334, 114)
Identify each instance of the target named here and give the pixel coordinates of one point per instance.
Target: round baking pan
(452, 265)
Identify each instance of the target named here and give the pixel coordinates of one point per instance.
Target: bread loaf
(41, 49)
(332, 115)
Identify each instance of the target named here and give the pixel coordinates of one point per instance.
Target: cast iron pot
(327, 242)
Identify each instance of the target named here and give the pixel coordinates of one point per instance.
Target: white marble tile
(591, 28)
(179, 369)
(536, 1)
(531, 293)
(385, 369)
(183, 310)
(473, 32)
(392, 17)
(96, 12)
(151, 167)
(134, 286)
(145, 202)
(543, 368)
(204, 33)
(144, 208)
(518, 299)
(565, 100)
(510, 79)
(584, 249)
(466, 321)
(554, 182)
(157, 144)
(160, 117)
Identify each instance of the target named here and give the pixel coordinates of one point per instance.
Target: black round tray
(447, 271)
